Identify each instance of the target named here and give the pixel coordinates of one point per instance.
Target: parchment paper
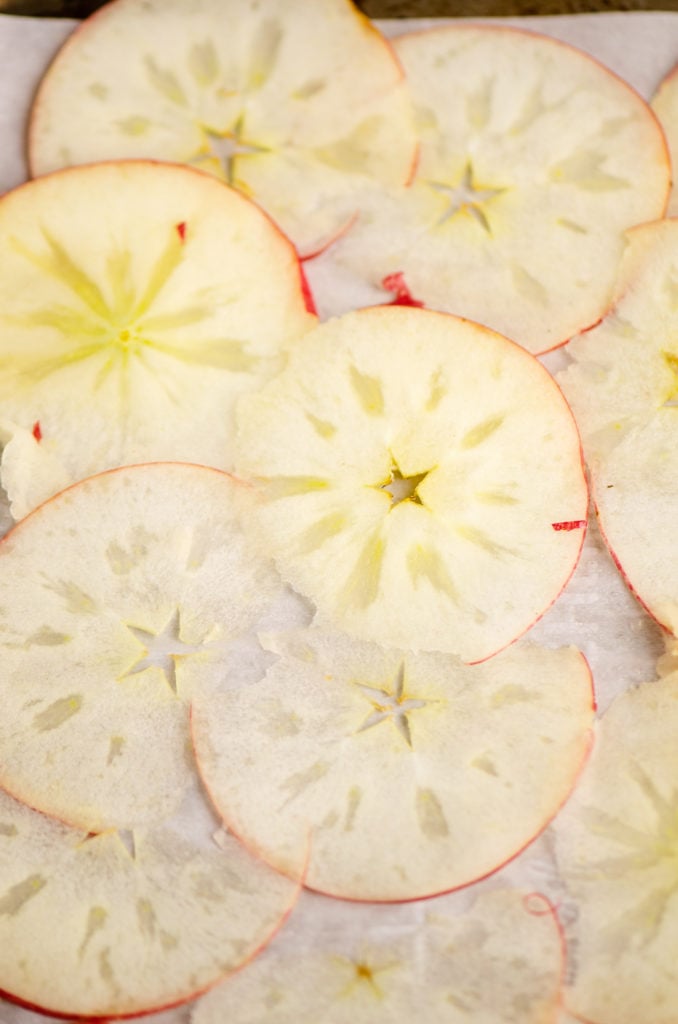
(596, 612)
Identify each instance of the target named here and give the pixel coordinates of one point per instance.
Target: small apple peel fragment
(622, 385)
(458, 968)
(406, 469)
(117, 596)
(616, 843)
(90, 928)
(401, 767)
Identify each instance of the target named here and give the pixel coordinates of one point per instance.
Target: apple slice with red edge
(623, 387)
(665, 105)
(118, 597)
(419, 478)
(616, 846)
(298, 105)
(404, 775)
(138, 301)
(110, 925)
(460, 968)
(534, 159)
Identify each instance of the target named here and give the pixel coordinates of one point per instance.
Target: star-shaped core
(227, 148)
(402, 488)
(162, 649)
(391, 706)
(466, 196)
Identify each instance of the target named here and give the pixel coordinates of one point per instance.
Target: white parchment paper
(596, 612)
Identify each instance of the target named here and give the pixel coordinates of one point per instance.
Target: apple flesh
(411, 473)
(132, 296)
(402, 771)
(298, 105)
(534, 159)
(118, 597)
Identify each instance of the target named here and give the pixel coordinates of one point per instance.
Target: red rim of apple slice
(298, 105)
(118, 596)
(534, 159)
(451, 967)
(133, 296)
(105, 927)
(623, 387)
(419, 478)
(616, 851)
(404, 775)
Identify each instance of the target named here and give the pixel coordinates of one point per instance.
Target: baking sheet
(596, 612)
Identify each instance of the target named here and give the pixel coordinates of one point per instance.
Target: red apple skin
(252, 848)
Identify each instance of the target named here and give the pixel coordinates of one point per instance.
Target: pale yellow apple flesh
(665, 105)
(623, 387)
(408, 775)
(616, 844)
(419, 478)
(109, 925)
(137, 302)
(498, 962)
(300, 105)
(534, 159)
(117, 597)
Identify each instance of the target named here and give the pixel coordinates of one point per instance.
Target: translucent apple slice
(419, 478)
(299, 105)
(452, 968)
(401, 770)
(665, 106)
(109, 926)
(116, 597)
(623, 386)
(534, 160)
(137, 301)
(616, 846)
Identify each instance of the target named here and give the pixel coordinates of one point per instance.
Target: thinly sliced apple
(410, 775)
(137, 301)
(117, 596)
(419, 478)
(623, 387)
(534, 160)
(665, 105)
(499, 962)
(616, 846)
(299, 105)
(109, 926)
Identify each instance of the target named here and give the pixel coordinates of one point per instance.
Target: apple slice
(616, 845)
(110, 926)
(419, 478)
(299, 105)
(117, 597)
(411, 774)
(534, 160)
(623, 386)
(500, 961)
(132, 296)
(665, 105)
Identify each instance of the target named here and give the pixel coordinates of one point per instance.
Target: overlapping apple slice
(93, 926)
(419, 478)
(665, 105)
(617, 847)
(500, 961)
(534, 160)
(116, 597)
(299, 105)
(137, 301)
(409, 775)
(623, 386)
